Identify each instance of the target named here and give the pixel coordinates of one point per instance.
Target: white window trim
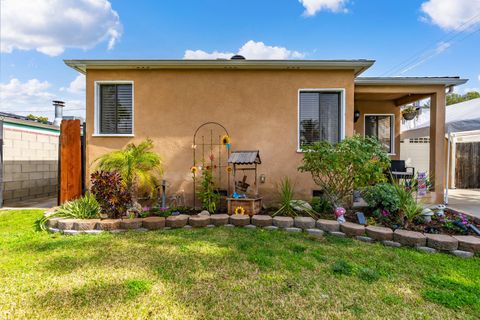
(392, 130)
(342, 110)
(96, 113)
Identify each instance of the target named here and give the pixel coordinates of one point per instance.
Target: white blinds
(116, 108)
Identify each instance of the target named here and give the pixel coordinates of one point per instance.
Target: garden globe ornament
(439, 210)
(340, 214)
(427, 214)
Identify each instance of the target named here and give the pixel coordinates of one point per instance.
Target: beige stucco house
(267, 105)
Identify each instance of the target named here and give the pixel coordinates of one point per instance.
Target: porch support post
(437, 144)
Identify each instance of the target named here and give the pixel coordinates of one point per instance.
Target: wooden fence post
(70, 161)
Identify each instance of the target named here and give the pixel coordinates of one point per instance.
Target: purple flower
(163, 209)
(144, 209)
(385, 213)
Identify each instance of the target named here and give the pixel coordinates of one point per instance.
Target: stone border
(460, 246)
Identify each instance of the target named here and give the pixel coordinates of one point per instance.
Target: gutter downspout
(448, 166)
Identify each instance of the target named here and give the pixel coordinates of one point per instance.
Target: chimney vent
(237, 57)
(59, 105)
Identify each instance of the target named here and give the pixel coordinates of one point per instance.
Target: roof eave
(379, 81)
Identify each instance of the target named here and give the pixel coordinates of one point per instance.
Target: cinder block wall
(30, 166)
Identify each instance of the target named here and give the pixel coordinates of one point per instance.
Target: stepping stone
(187, 227)
(379, 233)
(199, 221)
(410, 238)
(65, 224)
(462, 254)
(53, 230)
(365, 239)
(468, 243)
(315, 232)
(108, 224)
(250, 226)
(426, 249)
(118, 231)
(129, 224)
(271, 228)
(338, 234)
(93, 231)
(219, 219)
(87, 224)
(352, 229)
(262, 220)
(304, 222)
(71, 232)
(390, 243)
(179, 221)
(328, 225)
(210, 226)
(53, 222)
(239, 220)
(140, 230)
(293, 230)
(228, 225)
(282, 222)
(441, 242)
(154, 223)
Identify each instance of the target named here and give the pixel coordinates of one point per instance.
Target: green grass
(224, 273)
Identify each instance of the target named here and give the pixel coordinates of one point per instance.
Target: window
(320, 117)
(381, 126)
(115, 108)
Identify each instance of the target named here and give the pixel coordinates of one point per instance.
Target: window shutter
(329, 117)
(116, 109)
(309, 118)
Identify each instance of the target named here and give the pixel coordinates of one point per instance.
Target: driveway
(465, 200)
(31, 203)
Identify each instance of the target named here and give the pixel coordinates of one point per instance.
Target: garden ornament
(361, 218)
(439, 210)
(427, 215)
(340, 214)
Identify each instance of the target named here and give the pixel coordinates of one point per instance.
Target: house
(462, 121)
(267, 105)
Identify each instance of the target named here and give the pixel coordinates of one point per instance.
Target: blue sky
(441, 37)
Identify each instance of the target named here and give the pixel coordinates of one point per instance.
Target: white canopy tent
(462, 124)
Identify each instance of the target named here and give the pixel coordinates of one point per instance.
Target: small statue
(340, 214)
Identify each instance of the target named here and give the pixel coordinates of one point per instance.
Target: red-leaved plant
(111, 193)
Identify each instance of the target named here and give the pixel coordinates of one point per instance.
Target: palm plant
(138, 166)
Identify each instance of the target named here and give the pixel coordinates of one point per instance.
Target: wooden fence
(70, 176)
(467, 168)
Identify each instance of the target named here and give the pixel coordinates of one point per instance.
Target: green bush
(289, 206)
(409, 209)
(382, 196)
(338, 169)
(321, 205)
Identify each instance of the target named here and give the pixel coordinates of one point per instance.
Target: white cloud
(34, 96)
(51, 26)
(250, 50)
(314, 6)
(456, 15)
(77, 85)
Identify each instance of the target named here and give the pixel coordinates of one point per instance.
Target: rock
(219, 219)
(250, 226)
(210, 226)
(390, 243)
(441, 242)
(304, 222)
(154, 223)
(187, 227)
(261, 220)
(93, 231)
(199, 221)
(229, 225)
(293, 230)
(239, 220)
(426, 249)
(338, 234)
(410, 238)
(179, 221)
(468, 243)
(315, 232)
(141, 230)
(462, 254)
(379, 233)
(282, 222)
(71, 232)
(328, 225)
(271, 228)
(108, 224)
(352, 229)
(86, 224)
(129, 224)
(65, 224)
(53, 230)
(118, 231)
(364, 239)
(53, 222)
(204, 213)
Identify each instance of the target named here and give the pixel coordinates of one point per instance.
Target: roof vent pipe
(59, 105)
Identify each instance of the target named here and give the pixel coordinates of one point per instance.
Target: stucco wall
(30, 163)
(258, 108)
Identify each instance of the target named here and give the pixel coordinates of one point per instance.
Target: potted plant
(409, 113)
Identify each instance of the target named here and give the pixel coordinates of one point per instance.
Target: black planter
(409, 115)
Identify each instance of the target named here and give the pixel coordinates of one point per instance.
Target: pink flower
(385, 213)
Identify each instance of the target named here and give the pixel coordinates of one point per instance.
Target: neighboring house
(463, 123)
(267, 105)
(29, 159)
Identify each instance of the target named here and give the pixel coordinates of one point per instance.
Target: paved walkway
(31, 203)
(465, 200)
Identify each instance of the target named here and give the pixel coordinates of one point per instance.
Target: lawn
(224, 273)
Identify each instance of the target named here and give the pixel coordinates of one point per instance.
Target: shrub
(351, 164)
(321, 205)
(409, 209)
(111, 193)
(207, 194)
(382, 196)
(289, 206)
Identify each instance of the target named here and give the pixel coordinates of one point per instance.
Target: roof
(358, 66)
(24, 121)
(459, 117)
(446, 81)
(245, 157)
